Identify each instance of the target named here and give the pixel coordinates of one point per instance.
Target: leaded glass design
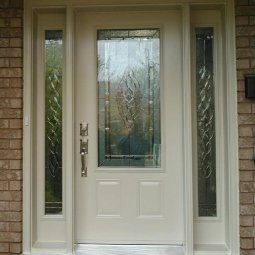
(205, 105)
(129, 98)
(53, 121)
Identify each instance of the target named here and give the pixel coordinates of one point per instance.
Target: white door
(129, 91)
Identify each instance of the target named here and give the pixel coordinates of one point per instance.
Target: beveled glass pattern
(205, 104)
(129, 98)
(53, 121)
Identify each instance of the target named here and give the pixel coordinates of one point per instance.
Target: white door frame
(68, 6)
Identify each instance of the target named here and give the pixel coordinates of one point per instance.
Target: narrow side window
(205, 123)
(53, 120)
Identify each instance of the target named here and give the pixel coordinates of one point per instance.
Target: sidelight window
(53, 120)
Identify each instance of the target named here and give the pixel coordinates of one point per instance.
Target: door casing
(32, 8)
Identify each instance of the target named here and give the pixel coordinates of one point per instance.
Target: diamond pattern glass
(53, 121)
(129, 98)
(205, 104)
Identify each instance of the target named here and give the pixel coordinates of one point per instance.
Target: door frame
(68, 7)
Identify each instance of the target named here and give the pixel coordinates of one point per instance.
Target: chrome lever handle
(83, 152)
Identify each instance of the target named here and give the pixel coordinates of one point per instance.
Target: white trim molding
(67, 8)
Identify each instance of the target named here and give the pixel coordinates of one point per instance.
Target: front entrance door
(129, 91)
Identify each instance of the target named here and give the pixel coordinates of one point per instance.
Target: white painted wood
(68, 160)
(212, 230)
(232, 131)
(187, 132)
(123, 217)
(27, 131)
(216, 226)
(48, 227)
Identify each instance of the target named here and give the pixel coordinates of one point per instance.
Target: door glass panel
(53, 121)
(129, 98)
(205, 104)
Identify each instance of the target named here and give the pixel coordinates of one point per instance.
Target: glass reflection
(206, 141)
(53, 121)
(129, 98)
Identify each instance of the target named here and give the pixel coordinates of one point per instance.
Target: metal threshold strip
(93, 249)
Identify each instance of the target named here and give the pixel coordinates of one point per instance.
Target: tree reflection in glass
(129, 98)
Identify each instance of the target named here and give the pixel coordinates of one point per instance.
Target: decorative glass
(205, 105)
(53, 121)
(129, 98)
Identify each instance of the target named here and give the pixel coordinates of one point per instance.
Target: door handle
(83, 153)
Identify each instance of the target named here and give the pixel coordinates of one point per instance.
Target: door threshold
(98, 249)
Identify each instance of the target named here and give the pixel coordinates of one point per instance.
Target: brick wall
(245, 42)
(10, 126)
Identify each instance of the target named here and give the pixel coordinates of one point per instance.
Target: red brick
(243, 63)
(11, 13)
(242, 20)
(4, 226)
(252, 63)
(15, 164)
(4, 206)
(4, 83)
(16, 123)
(246, 175)
(241, 2)
(15, 144)
(15, 103)
(15, 42)
(16, 62)
(244, 108)
(4, 185)
(4, 123)
(10, 72)
(10, 32)
(252, 20)
(16, 82)
(16, 4)
(4, 42)
(4, 144)
(10, 114)
(245, 53)
(4, 164)
(13, 92)
(15, 226)
(4, 247)
(240, 86)
(10, 237)
(245, 10)
(10, 216)
(10, 175)
(15, 248)
(15, 185)
(246, 131)
(4, 62)
(15, 206)
(246, 243)
(242, 42)
(10, 52)
(246, 198)
(247, 232)
(10, 196)
(245, 30)
(247, 119)
(246, 142)
(247, 186)
(10, 154)
(245, 153)
(252, 41)
(244, 164)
